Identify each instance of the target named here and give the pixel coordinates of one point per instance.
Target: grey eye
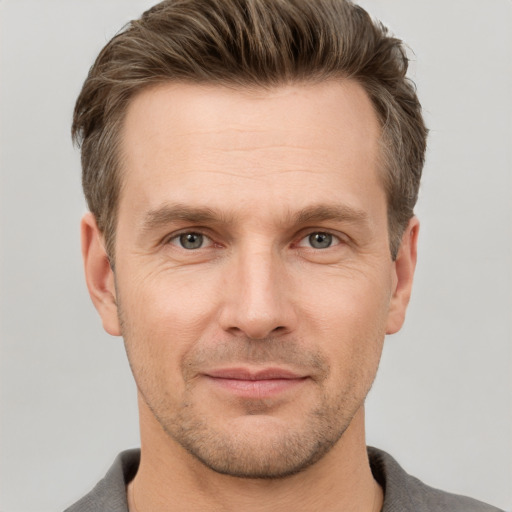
(320, 240)
(191, 240)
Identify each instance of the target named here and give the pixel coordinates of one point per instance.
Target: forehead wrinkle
(252, 145)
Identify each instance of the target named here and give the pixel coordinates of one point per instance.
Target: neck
(170, 479)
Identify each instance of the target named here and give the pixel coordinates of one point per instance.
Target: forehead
(210, 141)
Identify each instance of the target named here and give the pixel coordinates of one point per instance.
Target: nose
(257, 296)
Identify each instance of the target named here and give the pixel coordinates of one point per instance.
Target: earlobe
(99, 274)
(404, 267)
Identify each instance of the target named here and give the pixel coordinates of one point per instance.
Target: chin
(258, 446)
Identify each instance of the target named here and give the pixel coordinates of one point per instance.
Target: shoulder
(404, 492)
(110, 492)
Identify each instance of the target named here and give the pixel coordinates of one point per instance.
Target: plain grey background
(442, 402)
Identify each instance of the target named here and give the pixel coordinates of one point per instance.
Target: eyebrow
(318, 213)
(171, 213)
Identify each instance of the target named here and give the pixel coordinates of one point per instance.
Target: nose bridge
(257, 293)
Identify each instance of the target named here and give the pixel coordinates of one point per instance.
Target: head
(253, 43)
(258, 163)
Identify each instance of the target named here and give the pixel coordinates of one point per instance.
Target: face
(253, 280)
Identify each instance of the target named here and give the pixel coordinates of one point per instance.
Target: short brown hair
(244, 43)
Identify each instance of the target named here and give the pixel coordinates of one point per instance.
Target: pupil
(320, 240)
(191, 240)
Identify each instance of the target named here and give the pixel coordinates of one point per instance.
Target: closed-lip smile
(255, 383)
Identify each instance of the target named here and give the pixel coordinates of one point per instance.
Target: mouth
(255, 383)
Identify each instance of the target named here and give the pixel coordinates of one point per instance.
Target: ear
(403, 273)
(99, 274)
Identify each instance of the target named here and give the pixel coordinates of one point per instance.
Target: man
(251, 169)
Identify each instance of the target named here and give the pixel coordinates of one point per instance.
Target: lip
(255, 383)
(253, 374)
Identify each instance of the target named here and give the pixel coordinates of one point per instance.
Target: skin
(253, 351)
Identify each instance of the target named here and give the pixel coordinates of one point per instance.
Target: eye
(190, 240)
(319, 240)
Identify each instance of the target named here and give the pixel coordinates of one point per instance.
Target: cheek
(347, 317)
(163, 317)
(170, 300)
(348, 301)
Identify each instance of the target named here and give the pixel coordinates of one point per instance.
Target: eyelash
(336, 239)
(178, 236)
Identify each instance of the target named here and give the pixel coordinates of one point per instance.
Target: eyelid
(338, 237)
(168, 240)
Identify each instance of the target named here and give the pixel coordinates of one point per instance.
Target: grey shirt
(402, 492)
